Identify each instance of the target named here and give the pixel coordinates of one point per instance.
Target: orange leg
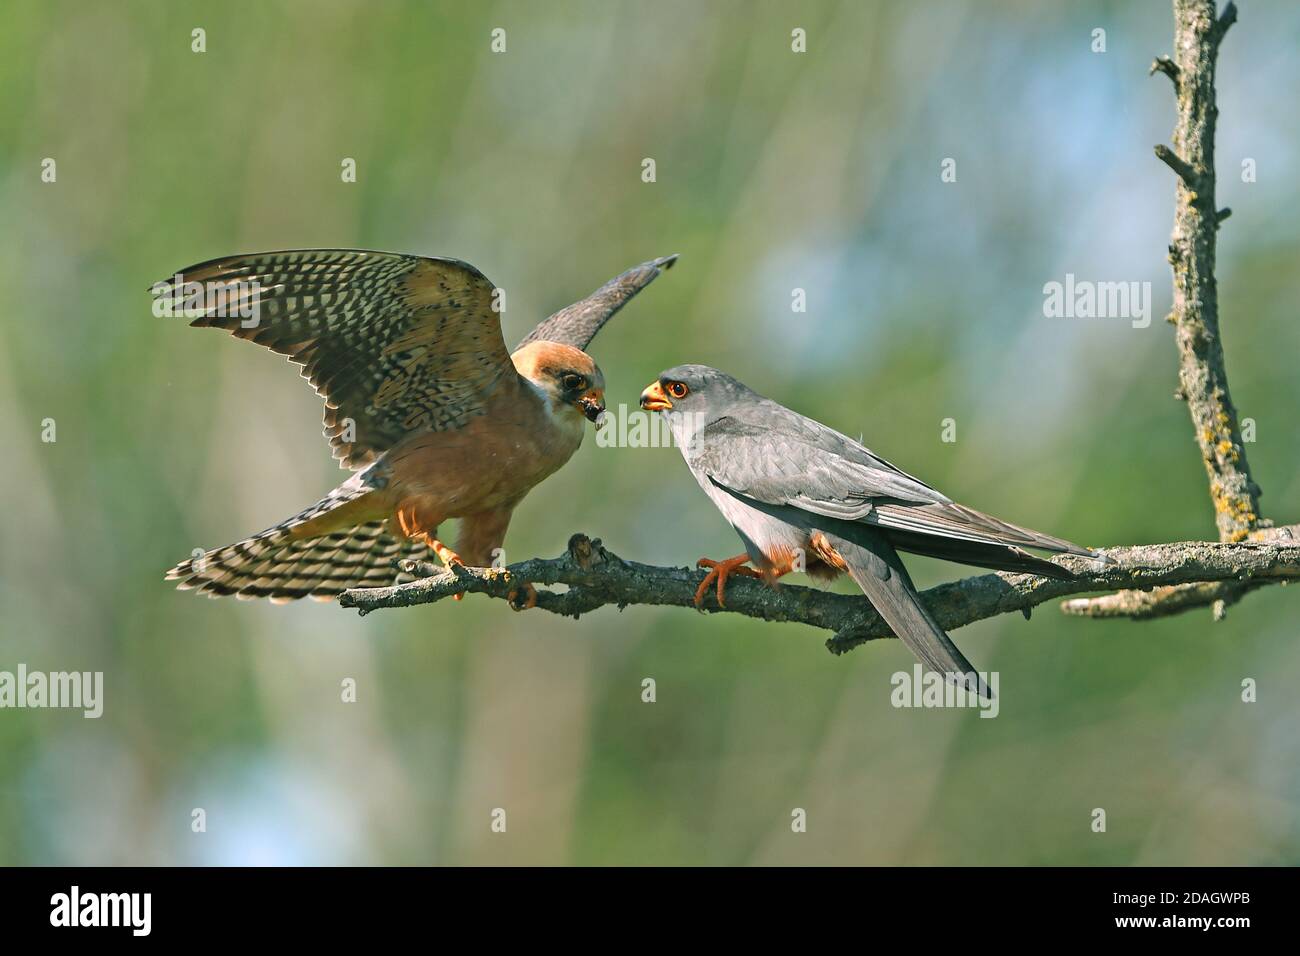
(444, 553)
(449, 557)
(446, 556)
(721, 570)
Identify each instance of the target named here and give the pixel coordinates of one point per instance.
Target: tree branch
(1202, 374)
(596, 577)
(1163, 602)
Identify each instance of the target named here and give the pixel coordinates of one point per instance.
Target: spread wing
(578, 324)
(393, 343)
(788, 467)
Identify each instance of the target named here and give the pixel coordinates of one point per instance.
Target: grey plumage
(789, 484)
(876, 568)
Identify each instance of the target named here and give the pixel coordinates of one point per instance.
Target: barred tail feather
(318, 553)
(277, 566)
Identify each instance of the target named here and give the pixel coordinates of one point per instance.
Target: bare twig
(1184, 169)
(1163, 602)
(1202, 375)
(1163, 64)
(595, 577)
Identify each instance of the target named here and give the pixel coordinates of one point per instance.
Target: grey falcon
(802, 496)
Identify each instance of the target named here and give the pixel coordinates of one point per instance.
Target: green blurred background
(775, 171)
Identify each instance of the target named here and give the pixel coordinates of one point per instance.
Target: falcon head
(568, 377)
(696, 389)
(693, 396)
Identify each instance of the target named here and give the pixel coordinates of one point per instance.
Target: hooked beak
(653, 398)
(592, 405)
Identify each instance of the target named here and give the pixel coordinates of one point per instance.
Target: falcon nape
(802, 496)
(423, 401)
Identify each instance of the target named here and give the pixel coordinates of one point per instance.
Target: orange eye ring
(677, 389)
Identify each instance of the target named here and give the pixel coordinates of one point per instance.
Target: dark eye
(677, 389)
(572, 382)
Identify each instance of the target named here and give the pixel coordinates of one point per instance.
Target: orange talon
(444, 553)
(447, 556)
(529, 601)
(721, 570)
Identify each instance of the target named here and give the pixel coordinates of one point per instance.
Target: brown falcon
(423, 401)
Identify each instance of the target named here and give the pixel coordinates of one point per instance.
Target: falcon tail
(953, 522)
(320, 552)
(876, 568)
(996, 557)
